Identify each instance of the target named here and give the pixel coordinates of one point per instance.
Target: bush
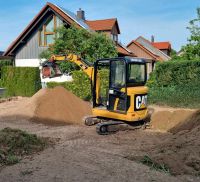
(20, 81)
(80, 86)
(176, 96)
(5, 63)
(175, 73)
(175, 84)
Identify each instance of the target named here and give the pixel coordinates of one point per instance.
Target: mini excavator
(120, 99)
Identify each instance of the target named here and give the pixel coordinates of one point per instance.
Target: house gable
(39, 19)
(103, 25)
(163, 46)
(141, 51)
(28, 46)
(109, 27)
(147, 44)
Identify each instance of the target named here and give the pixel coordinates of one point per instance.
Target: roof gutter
(6, 57)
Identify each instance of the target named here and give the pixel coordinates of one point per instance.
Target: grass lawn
(15, 143)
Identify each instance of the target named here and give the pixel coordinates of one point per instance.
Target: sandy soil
(82, 155)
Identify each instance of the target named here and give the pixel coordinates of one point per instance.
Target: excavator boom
(85, 66)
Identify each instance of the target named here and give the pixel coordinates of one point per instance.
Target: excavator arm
(84, 65)
(88, 69)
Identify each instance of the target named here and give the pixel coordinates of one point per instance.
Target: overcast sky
(165, 19)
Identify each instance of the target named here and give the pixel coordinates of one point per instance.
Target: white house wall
(27, 62)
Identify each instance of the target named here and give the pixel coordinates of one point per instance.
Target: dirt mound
(50, 106)
(58, 105)
(181, 150)
(165, 119)
(190, 123)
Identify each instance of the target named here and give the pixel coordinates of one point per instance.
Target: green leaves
(80, 86)
(192, 50)
(187, 96)
(20, 81)
(88, 45)
(175, 83)
(175, 73)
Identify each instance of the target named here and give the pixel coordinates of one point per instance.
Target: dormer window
(114, 37)
(47, 31)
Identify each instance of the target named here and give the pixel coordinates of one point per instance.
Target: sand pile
(54, 106)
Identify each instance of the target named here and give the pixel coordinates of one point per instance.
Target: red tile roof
(124, 51)
(106, 24)
(161, 45)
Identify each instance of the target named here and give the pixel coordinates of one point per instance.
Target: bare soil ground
(82, 155)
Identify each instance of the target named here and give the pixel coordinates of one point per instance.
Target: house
(163, 46)
(109, 27)
(5, 57)
(143, 48)
(180, 53)
(40, 32)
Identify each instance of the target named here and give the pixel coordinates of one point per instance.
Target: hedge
(81, 84)
(186, 96)
(20, 81)
(174, 73)
(175, 83)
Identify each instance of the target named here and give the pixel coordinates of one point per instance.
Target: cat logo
(140, 102)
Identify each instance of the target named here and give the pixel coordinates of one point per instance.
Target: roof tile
(106, 24)
(122, 50)
(161, 45)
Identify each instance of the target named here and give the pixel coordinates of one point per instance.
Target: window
(47, 32)
(117, 74)
(115, 38)
(136, 74)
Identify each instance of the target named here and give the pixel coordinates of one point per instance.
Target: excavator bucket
(50, 70)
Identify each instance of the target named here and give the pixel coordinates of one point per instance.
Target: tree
(86, 44)
(192, 49)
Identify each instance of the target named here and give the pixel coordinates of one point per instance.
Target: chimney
(81, 14)
(152, 38)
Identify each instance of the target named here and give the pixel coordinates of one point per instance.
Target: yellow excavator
(121, 99)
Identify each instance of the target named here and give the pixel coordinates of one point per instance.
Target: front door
(117, 94)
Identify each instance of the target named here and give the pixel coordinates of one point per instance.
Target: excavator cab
(124, 95)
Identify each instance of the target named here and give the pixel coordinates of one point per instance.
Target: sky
(165, 19)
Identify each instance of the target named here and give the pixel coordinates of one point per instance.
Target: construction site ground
(80, 154)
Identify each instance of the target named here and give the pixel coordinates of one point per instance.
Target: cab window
(136, 74)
